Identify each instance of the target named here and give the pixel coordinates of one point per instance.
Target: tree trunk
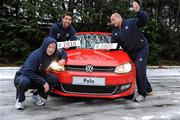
(177, 17)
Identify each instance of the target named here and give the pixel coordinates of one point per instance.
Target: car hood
(96, 57)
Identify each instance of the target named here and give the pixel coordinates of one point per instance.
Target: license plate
(105, 46)
(68, 44)
(91, 81)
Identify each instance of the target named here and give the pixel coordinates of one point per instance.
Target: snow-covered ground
(163, 105)
(8, 72)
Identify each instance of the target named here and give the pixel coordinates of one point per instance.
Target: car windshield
(89, 40)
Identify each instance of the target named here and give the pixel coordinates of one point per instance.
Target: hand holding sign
(61, 62)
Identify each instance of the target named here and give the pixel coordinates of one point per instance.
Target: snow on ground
(8, 72)
(163, 105)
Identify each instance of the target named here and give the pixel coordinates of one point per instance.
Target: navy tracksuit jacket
(33, 72)
(132, 40)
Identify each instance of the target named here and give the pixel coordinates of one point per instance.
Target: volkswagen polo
(96, 73)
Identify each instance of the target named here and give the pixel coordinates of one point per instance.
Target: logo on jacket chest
(126, 27)
(40, 67)
(121, 31)
(58, 35)
(67, 35)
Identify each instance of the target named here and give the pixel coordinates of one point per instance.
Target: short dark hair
(138, 1)
(67, 14)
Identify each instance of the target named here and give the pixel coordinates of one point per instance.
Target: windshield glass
(89, 40)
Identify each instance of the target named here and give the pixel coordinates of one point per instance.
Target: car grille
(84, 89)
(88, 89)
(95, 68)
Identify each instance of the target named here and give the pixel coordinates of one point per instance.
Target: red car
(93, 73)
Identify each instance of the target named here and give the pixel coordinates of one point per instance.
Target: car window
(89, 40)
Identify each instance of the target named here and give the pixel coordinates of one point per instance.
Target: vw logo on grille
(89, 68)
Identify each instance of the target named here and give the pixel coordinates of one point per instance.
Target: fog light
(126, 86)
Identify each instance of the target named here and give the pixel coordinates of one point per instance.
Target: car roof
(97, 33)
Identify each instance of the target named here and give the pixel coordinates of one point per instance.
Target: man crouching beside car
(33, 74)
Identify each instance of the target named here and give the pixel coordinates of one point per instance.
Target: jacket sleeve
(73, 34)
(142, 18)
(30, 69)
(113, 40)
(62, 54)
(53, 32)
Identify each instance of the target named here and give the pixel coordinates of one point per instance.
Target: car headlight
(124, 68)
(54, 66)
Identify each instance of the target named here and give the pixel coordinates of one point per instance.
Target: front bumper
(114, 85)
